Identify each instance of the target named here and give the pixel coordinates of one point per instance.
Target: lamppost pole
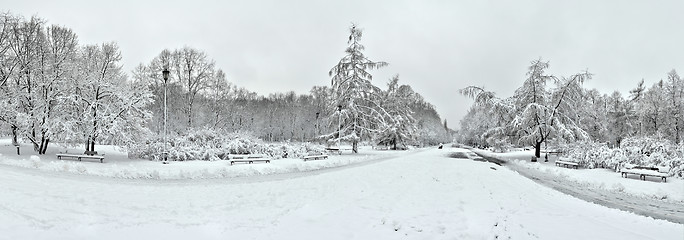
(165, 73)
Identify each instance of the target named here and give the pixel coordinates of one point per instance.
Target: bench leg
(643, 178)
(664, 179)
(231, 163)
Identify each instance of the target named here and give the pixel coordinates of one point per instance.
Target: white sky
(436, 46)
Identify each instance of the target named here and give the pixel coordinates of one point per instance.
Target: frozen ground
(118, 165)
(603, 186)
(418, 195)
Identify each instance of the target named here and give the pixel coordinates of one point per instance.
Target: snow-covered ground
(418, 195)
(600, 178)
(118, 165)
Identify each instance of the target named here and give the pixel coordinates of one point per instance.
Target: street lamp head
(165, 73)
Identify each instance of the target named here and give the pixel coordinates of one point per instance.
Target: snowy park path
(425, 195)
(672, 211)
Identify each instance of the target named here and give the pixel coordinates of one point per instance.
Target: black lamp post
(165, 74)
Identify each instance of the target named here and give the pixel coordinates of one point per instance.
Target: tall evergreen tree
(355, 99)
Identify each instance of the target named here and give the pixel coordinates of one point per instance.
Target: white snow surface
(601, 178)
(118, 165)
(418, 195)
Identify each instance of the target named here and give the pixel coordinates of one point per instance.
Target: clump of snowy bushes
(210, 145)
(643, 151)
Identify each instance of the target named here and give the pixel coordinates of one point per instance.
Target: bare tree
(194, 72)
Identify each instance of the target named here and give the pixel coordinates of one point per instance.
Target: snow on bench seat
(567, 164)
(250, 160)
(315, 157)
(334, 150)
(247, 158)
(80, 157)
(643, 172)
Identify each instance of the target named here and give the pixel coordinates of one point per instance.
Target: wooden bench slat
(567, 164)
(80, 157)
(250, 160)
(315, 157)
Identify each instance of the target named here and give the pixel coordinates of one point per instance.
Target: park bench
(567, 164)
(315, 157)
(247, 158)
(334, 150)
(86, 155)
(644, 172)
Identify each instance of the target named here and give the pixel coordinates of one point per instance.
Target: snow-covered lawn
(118, 165)
(418, 195)
(600, 178)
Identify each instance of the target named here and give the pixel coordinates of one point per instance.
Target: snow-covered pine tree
(354, 97)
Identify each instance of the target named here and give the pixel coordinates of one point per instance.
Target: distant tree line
(52, 89)
(568, 112)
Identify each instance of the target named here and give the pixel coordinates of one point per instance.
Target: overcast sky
(437, 47)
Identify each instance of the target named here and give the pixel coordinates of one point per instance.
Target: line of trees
(568, 112)
(202, 97)
(53, 89)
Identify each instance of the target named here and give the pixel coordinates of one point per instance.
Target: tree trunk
(92, 145)
(87, 144)
(355, 147)
(537, 149)
(15, 141)
(394, 142)
(45, 145)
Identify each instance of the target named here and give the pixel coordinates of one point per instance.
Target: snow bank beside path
(599, 178)
(118, 165)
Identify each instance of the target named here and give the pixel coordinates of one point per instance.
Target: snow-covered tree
(675, 104)
(355, 98)
(218, 95)
(620, 118)
(397, 126)
(651, 108)
(538, 113)
(45, 57)
(103, 105)
(194, 71)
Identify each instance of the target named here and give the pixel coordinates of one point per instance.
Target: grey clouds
(437, 47)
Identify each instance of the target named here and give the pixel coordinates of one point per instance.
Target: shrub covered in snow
(209, 145)
(643, 151)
